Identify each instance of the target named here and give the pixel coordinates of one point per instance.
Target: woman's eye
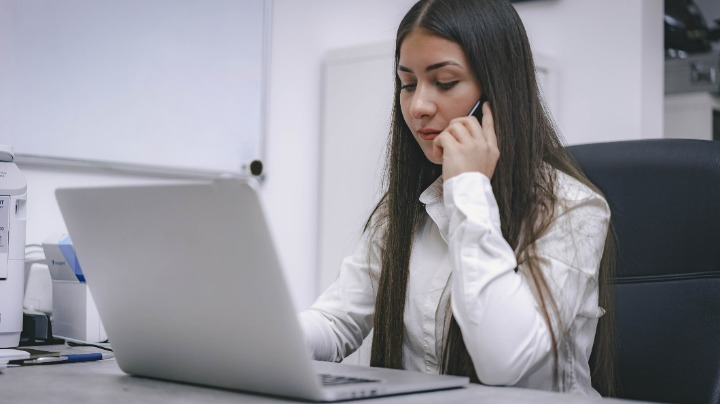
(408, 87)
(446, 85)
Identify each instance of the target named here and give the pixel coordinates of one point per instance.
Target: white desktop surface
(104, 382)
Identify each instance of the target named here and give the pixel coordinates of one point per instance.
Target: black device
(476, 111)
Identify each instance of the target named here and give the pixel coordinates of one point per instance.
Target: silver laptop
(189, 287)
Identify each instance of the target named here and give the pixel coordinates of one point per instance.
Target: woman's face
(437, 85)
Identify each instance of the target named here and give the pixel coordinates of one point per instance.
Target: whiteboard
(162, 83)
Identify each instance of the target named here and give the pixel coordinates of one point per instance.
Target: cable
(75, 342)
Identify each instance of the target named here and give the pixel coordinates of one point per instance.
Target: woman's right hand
(467, 146)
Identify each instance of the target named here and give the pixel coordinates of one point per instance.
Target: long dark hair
(496, 46)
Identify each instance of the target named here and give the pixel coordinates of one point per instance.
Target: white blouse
(460, 258)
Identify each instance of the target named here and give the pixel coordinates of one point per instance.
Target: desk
(104, 382)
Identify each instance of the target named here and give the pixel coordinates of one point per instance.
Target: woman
(488, 254)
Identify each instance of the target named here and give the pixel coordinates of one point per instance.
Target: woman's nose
(422, 104)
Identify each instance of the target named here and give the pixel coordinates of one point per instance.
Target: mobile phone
(476, 111)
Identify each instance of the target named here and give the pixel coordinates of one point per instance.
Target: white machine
(13, 213)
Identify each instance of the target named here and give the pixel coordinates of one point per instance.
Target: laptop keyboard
(335, 380)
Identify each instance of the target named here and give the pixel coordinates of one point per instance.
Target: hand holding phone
(464, 147)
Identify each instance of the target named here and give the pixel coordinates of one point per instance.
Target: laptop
(190, 289)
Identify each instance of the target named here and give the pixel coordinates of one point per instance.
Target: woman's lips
(428, 134)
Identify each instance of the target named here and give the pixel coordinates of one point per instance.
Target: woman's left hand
(466, 146)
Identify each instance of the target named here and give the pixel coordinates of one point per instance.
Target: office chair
(664, 195)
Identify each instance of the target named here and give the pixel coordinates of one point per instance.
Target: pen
(71, 358)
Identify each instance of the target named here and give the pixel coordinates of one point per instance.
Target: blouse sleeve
(500, 319)
(336, 324)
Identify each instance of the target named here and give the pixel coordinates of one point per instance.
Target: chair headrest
(664, 195)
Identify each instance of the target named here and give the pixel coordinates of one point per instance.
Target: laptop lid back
(178, 273)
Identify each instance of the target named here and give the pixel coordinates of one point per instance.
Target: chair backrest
(664, 195)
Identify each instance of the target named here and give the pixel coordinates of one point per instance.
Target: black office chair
(664, 195)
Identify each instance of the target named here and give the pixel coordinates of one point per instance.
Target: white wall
(303, 31)
(609, 58)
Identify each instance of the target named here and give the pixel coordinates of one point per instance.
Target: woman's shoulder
(570, 188)
(571, 192)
